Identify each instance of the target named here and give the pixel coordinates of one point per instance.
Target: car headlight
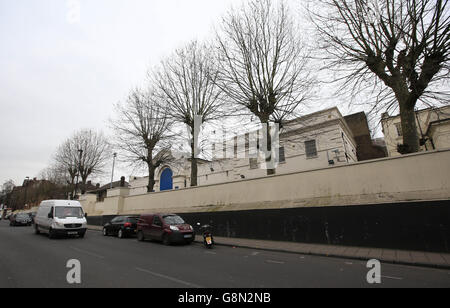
(173, 228)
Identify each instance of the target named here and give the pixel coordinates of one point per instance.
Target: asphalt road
(29, 260)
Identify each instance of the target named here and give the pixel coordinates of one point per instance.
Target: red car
(168, 228)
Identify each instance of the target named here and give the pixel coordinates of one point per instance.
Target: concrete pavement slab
(404, 256)
(436, 258)
(389, 255)
(419, 257)
(375, 253)
(363, 253)
(446, 258)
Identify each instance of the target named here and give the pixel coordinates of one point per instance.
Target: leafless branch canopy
(142, 129)
(405, 44)
(398, 50)
(186, 82)
(263, 61)
(96, 151)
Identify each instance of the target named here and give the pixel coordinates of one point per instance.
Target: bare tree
(57, 174)
(142, 132)
(263, 63)
(186, 82)
(7, 187)
(66, 158)
(84, 154)
(399, 50)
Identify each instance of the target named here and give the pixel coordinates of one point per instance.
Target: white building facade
(315, 141)
(433, 128)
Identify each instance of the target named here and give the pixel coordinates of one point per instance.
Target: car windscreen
(133, 220)
(22, 216)
(65, 212)
(173, 220)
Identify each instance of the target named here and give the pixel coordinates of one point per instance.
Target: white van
(60, 217)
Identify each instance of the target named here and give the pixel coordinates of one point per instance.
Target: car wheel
(140, 236)
(51, 234)
(166, 240)
(82, 234)
(36, 229)
(120, 234)
(105, 232)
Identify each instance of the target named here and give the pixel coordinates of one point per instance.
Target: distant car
(168, 228)
(20, 219)
(32, 215)
(121, 226)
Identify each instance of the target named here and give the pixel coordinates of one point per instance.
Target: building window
(311, 149)
(398, 126)
(282, 156)
(253, 163)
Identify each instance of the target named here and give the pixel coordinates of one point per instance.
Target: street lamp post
(78, 173)
(112, 174)
(27, 179)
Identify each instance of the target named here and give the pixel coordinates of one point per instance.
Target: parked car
(32, 215)
(20, 219)
(60, 217)
(121, 226)
(168, 228)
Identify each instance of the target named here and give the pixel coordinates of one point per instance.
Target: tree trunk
(83, 184)
(151, 179)
(194, 168)
(72, 187)
(270, 171)
(409, 129)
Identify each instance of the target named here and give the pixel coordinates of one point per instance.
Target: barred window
(311, 148)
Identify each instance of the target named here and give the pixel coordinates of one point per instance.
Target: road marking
(211, 252)
(88, 253)
(255, 253)
(349, 263)
(169, 278)
(274, 262)
(394, 278)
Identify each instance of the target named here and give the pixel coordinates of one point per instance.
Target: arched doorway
(166, 181)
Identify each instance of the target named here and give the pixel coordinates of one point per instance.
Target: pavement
(404, 257)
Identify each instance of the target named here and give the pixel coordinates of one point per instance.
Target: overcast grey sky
(62, 71)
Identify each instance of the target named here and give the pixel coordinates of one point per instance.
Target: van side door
(157, 228)
(48, 220)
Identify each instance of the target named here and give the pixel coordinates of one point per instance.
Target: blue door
(166, 181)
